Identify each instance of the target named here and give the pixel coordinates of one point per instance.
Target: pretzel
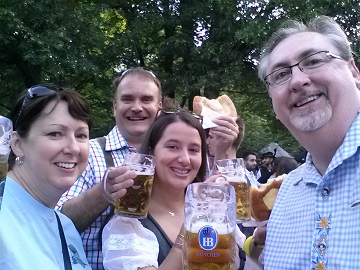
(262, 199)
(222, 105)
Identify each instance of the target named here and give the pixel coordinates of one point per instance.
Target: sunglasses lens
(35, 92)
(40, 91)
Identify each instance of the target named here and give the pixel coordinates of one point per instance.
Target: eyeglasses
(307, 65)
(170, 111)
(35, 92)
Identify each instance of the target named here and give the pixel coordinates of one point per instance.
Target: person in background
(314, 86)
(283, 165)
(300, 158)
(178, 142)
(251, 166)
(170, 103)
(49, 151)
(137, 100)
(224, 140)
(266, 167)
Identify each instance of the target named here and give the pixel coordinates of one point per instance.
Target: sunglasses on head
(36, 92)
(130, 70)
(175, 111)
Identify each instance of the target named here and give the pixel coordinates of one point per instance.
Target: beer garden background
(203, 47)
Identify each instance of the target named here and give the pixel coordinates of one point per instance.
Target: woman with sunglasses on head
(178, 142)
(50, 149)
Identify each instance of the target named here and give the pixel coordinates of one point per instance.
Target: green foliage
(206, 47)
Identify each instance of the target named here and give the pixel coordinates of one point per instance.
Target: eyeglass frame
(31, 95)
(175, 111)
(328, 54)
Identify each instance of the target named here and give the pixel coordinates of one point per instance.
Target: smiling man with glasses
(314, 85)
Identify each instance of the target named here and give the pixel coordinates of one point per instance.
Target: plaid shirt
(92, 175)
(315, 222)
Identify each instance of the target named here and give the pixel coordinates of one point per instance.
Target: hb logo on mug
(207, 237)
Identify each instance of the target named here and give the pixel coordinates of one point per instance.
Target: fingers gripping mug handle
(105, 193)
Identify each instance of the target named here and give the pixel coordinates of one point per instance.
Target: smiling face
(308, 102)
(136, 104)
(55, 153)
(178, 156)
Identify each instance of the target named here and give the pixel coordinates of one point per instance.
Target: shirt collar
(115, 141)
(347, 149)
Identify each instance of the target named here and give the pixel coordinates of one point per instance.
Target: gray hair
(323, 25)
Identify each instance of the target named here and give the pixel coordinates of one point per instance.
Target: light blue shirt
(93, 174)
(29, 234)
(316, 219)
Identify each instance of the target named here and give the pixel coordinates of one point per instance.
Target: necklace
(172, 214)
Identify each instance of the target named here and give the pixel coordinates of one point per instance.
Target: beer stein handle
(105, 193)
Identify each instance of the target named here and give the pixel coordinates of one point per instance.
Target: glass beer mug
(233, 170)
(6, 130)
(210, 222)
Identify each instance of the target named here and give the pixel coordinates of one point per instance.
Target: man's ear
(355, 72)
(17, 145)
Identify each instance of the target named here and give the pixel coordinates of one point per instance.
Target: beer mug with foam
(210, 222)
(135, 202)
(233, 170)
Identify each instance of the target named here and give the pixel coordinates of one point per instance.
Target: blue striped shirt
(315, 222)
(92, 175)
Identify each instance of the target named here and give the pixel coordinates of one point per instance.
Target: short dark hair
(247, 154)
(156, 131)
(25, 116)
(283, 165)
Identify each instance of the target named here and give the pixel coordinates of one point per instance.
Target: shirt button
(325, 191)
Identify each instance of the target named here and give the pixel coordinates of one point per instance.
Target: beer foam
(235, 179)
(144, 173)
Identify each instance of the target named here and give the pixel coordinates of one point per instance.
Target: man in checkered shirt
(314, 85)
(137, 100)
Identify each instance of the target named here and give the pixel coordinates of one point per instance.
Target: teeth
(66, 165)
(136, 119)
(311, 98)
(181, 171)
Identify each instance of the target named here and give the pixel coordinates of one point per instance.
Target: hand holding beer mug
(233, 170)
(135, 202)
(209, 241)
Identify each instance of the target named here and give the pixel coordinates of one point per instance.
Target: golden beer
(136, 200)
(221, 257)
(242, 200)
(3, 171)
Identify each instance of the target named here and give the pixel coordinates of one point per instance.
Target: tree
(204, 47)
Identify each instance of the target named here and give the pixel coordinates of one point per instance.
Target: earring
(19, 161)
